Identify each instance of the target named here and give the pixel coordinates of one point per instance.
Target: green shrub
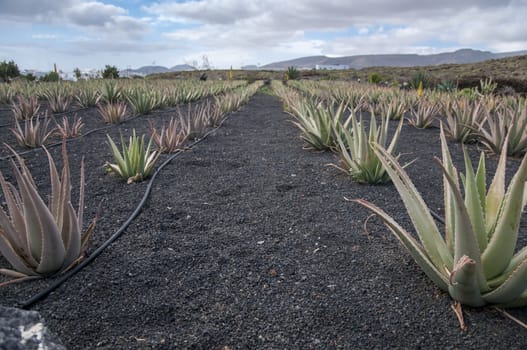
(110, 72)
(374, 78)
(50, 77)
(30, 77)
(292, 73)
(8, 70)
(419, 78)
(446, 86)
(487, 86)
(77, 73)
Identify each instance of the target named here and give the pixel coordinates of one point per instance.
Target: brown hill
(393, 60)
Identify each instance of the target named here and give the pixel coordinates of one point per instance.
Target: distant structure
(332, 66)
(249, 67)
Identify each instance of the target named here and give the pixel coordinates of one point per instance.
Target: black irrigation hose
(42, 294)
(72, 139)
(42, 117)
(437, 216)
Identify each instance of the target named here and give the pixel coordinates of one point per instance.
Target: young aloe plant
(356, 152)
(318, 123)
(475, 261)
(136, 162)
(39, 240)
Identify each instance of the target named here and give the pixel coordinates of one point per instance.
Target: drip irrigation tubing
(42, 294)
(70, 139)
(437, 217)
(42, 116)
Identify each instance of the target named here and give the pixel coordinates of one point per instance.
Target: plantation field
(246, 240)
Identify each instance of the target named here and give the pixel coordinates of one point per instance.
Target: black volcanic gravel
(247, 243)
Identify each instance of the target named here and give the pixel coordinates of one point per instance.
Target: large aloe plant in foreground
(39, 240)
(475, 260)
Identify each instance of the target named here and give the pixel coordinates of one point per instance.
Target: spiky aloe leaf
(117, 156)
(128, 153)
(518, 302)
(36, 239)
(395, 137)
(415, 249)
(503, 241)
(44, 238)
(424, 224)
(511, 288)
(481, 184)
(465, 245)
(10, 251)
(450, 209)
(473, 203)
(14, 230)
(151, 159)
(516, 260)
(495, 195)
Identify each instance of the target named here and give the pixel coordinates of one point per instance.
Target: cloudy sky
(132, 33)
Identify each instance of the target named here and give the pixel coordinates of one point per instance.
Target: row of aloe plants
(140, 95)
(40, 240)
(113, 103)
(476, 260)
(335, 126)
(84, 92)
(481, 118)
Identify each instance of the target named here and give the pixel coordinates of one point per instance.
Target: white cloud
(246, 32)
(95, 16)
(45, 36)
(212, 11)
(92, 14)
(398, 26)
(40, 10)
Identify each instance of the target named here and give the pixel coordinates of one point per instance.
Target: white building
(331, 67)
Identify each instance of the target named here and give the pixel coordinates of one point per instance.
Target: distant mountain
(393, 60)
(182, 67)
(147, 70)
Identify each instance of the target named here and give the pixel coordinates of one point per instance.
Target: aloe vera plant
(423, 114)
(39, 240)
(112, 113)
(475, 260)
(355, 149)
(34, 133)
(464, 119)
(25, 108)
(511, 121)
(143, 101)
(318, 123)
(170, 138)
(136, 161)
